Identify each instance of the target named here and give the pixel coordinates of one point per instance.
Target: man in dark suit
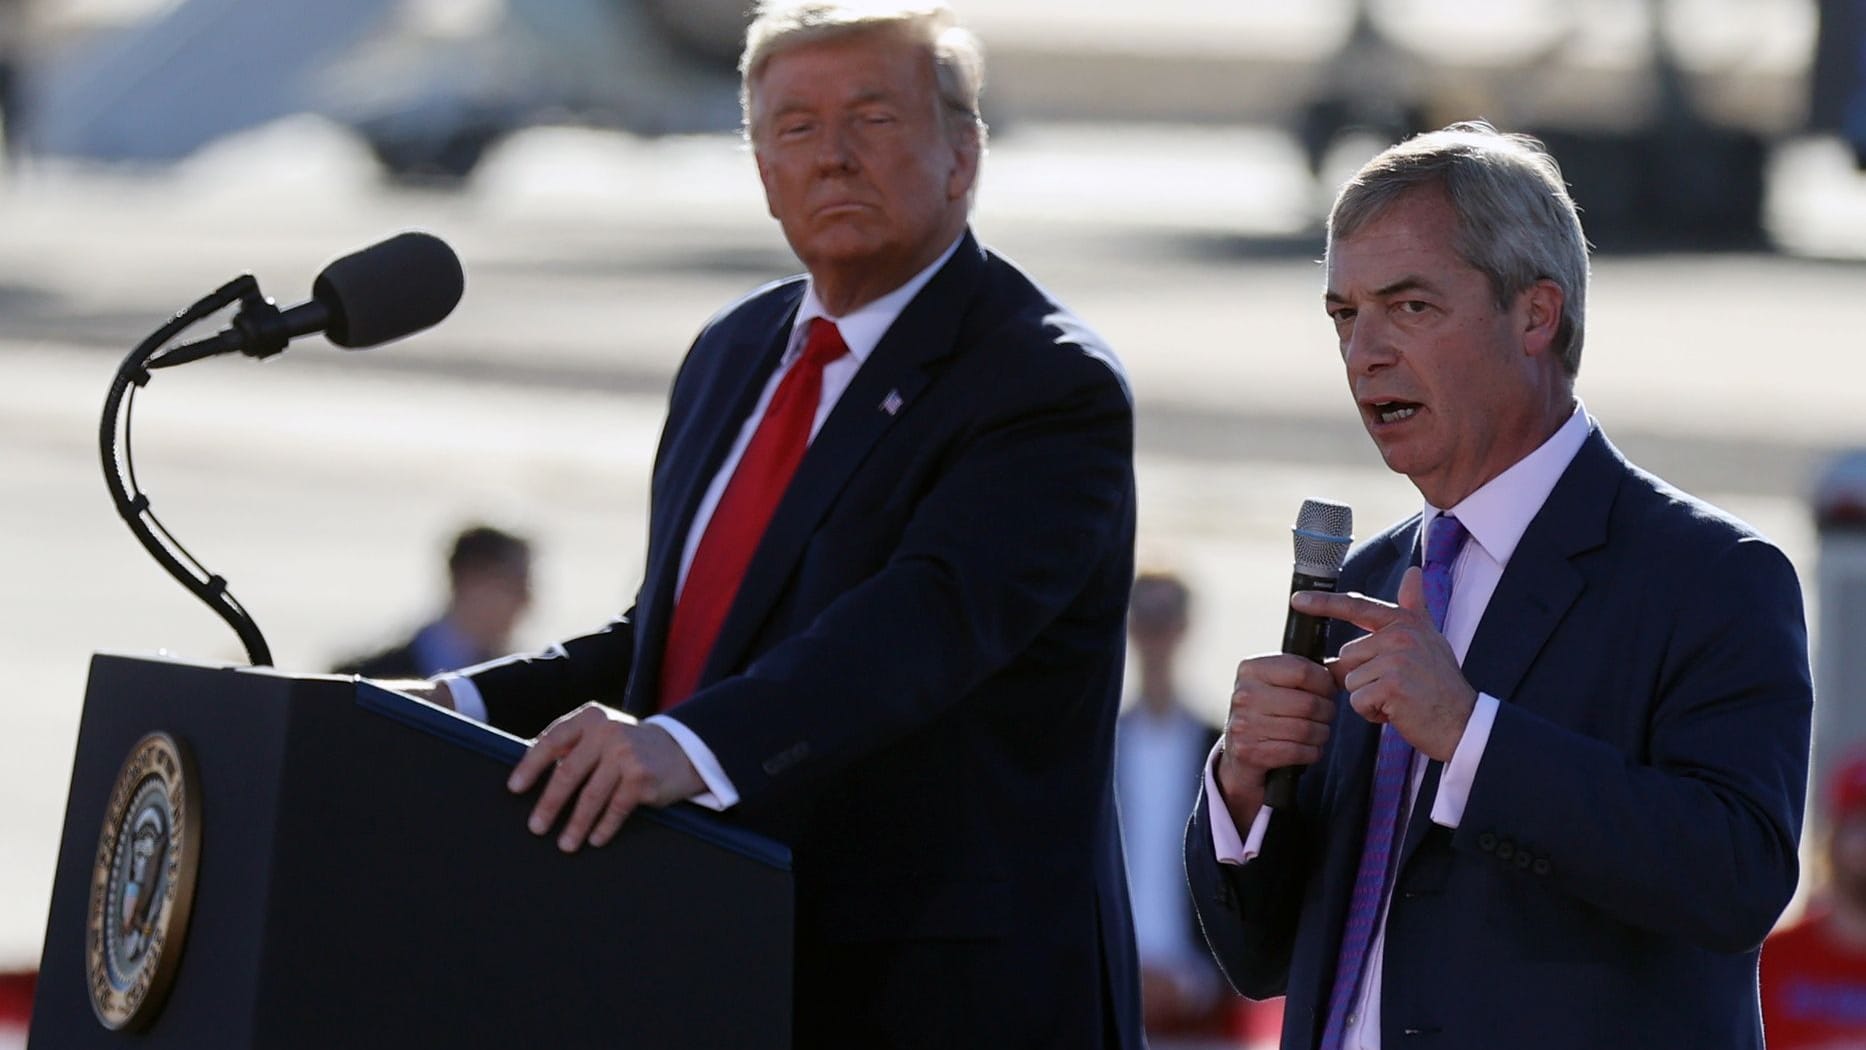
(888, 561)
(488, 589)
(1555, 767)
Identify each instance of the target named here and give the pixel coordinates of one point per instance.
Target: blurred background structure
(1664, 109)
(1163, 166)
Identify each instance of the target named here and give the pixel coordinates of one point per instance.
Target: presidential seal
(142, 883)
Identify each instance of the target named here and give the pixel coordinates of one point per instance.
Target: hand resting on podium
(604, 758)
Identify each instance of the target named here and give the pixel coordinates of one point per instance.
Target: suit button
(1487, 842)
(1541, 866)
(1524, 860)
(1506, 850)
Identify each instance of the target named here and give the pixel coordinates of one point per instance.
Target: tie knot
(824, 343)
(1447, 539)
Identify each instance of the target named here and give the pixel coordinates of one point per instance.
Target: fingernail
(513, 784)
(566, 843)
(536, 824)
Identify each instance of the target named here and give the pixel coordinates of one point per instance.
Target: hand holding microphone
(1282, 705)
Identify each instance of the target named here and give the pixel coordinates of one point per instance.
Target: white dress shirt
(862, 330)
(1496, 516)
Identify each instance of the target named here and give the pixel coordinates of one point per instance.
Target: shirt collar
(1499, 512)
(863, 327)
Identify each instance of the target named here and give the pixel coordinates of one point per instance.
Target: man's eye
(1412, 306)
(1342, 315)
(795, 128)
(877, 119)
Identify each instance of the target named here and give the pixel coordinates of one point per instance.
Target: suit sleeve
(1035, 495)
(1696, 838)
(525, 693)
(1248, 912)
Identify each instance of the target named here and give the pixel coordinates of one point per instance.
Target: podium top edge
(507, 749)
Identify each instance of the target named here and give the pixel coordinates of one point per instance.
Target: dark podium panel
(365, 880)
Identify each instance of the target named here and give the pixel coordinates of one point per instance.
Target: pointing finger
(1369, 614)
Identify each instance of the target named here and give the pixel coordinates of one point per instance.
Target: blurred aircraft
(1662, 111)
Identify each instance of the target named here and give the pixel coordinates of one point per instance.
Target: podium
(362, 878)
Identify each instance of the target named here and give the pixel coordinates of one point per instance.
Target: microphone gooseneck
(383, 292)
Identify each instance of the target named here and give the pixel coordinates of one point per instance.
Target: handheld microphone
(1324, 531)
(385, 291)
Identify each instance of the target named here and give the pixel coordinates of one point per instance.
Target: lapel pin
(892, 403)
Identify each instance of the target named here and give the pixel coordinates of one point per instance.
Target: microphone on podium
(385, 291)
(1323, 532)
(388, 290)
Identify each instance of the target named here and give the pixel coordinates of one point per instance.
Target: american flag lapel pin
(892, 403)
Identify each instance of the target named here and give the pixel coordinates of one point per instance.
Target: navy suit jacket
(1630, 834)
(916, 685)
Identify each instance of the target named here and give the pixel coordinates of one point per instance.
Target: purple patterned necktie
(1391, 771)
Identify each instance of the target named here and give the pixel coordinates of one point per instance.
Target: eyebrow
(1408, 283)
(786, 106)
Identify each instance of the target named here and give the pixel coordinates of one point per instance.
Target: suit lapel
(1357, 745)
(1360, 739)
(1541, 582)
(883, 388)
(719, 412)
(1538, 587)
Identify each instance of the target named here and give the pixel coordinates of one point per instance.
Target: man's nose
(1368, 345)
(835, 149)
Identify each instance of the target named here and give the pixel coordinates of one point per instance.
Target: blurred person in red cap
(1814, 972)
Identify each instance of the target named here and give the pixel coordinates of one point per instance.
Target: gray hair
(1516, 222)
(958, 57)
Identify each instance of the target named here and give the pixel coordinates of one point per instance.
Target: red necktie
(763, 473)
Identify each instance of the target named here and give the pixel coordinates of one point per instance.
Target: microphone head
(386, 291)
(1324, 532)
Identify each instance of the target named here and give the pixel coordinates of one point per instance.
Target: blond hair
(958, 58)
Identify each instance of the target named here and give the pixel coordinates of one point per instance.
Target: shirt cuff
(1230, 847)
(719, 793)
(1454, 782)
(466, 697)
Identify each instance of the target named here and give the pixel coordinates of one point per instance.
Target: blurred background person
(488, 590)
(1814, 971)
(1160, 746)
(13, 33)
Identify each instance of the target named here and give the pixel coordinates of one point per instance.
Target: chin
(1393, 458)
(842, 248)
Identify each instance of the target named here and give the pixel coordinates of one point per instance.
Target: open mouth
(1393, 411)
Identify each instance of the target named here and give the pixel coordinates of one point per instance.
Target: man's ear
(1541, 306)
(964, 172)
